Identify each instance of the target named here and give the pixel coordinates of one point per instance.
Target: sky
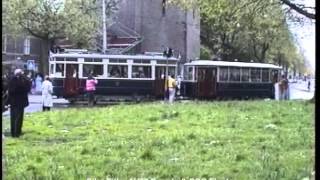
(305, 36)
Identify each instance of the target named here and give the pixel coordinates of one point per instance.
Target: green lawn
(223, 140)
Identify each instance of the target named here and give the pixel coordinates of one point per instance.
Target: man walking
(19, 87)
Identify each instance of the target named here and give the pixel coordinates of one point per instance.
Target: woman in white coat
(47, 90)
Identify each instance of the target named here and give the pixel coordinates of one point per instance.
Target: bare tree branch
(298, 9)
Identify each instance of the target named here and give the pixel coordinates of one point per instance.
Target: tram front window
(116, 71)
(188, 72)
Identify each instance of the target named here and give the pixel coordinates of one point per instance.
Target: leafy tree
(48, 20)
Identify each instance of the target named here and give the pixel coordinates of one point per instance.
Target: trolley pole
(104, 26)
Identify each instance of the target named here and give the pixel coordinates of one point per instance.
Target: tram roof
(234, 64)
(113, 56)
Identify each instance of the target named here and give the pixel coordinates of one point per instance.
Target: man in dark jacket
(19, 87)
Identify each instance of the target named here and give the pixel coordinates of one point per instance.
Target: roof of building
(233, 64)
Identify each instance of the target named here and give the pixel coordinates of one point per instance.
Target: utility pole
(104, 26)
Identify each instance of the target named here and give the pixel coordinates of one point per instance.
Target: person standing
(19, 87)
(309, 84)
(47, 90)
(38, 83)
(170, 87)
(91, 88)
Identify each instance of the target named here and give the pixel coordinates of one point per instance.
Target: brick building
(18, 49)
(162, 26)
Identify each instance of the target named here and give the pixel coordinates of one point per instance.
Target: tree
(48, 20)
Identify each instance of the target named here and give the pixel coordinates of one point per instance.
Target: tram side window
(141, 72)
(265, 75)
(172, 71)
(59, 70)
(223, 75)
(188, 73)
(116, 71)
(96, 70)
(234, 74)
(274, 76)
(255, 75)
(245, 75)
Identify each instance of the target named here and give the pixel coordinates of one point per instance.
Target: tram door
(206, 82)
(71, 82)
(159, 81)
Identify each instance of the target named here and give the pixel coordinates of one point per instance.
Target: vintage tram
(203, 79)
(125, 77)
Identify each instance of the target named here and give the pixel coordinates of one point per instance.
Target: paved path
(298, 90)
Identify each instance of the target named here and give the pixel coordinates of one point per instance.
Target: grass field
(223, 140)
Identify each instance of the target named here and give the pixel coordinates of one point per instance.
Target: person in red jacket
(91, 88)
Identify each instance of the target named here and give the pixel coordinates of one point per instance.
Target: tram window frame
(255, 75)
(95, 74)
(118, 61)
(124, 68)
(141, 61)
(188, 75)
(59, 59)
(92, 60)
(164, 62)
(52, 69)
(136, 69)
(265, 72)
(233, 74)
(60, 73)
(224, 78)
(71, 59)
(245, 77)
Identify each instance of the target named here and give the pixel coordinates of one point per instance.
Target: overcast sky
(305, 35)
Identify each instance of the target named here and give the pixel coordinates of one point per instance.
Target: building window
(117, 71)
(164, 7)
(265, 75)
(255, 75)
(26, 46)
(234, 74)
(141, 72)
(245, 75)
(223, 75)
(96, 70)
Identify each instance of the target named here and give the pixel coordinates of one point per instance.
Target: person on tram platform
(170, 88)
(91, 88)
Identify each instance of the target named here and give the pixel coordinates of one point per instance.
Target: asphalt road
(298, 90)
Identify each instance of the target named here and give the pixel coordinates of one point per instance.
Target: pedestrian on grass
(19, 87)
(47, 90)
(91, 88)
